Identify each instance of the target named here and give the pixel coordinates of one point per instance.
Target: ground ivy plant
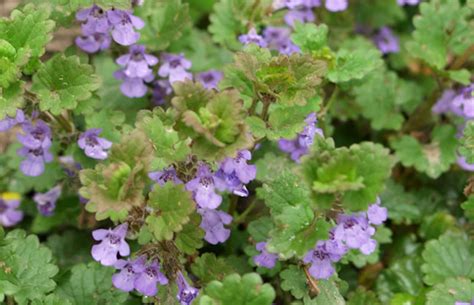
(237, 152)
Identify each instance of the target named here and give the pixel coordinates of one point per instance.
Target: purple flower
(94, 147)
(9, 215)
(46, 202)
(175, 67)
(146, 282)
(253, 37)
(94, 20)
(278, 38)
(292, 4)
(321, 262)
(186, 293)
(203, 188)
(355, 232)
(234, 173)
(210, 79)
(213, 222)
(463, 102)
(35, 136)
(408, 2)
(265, 259)
(300, 145)
(165, 175)
(112, 242)
(244, 171)
(137, 63)
(230, 182)
(303, 15)
(129, 272)
(9, 122)
(133, 87)
(123, 26)
(386, 41)
(71, 167)
(94, 43)
(376, 214)
(36, 140)
(336, 5)
(443, 105)
(462, 162)
(35, 158)
(161, 89)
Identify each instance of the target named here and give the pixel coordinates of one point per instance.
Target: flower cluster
(112, 242)
(99, 27)
(464, 303)
(264, 259)
(351, 232)
(232, 176)
(9, 215)
(300, 145)
(175, 67)
(135, 71)
(94, 147)
(46, 202)
(36, 140)
(140, 275)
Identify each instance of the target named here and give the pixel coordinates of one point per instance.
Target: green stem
(329, 103)
(241, 218)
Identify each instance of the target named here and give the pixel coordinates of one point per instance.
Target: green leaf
(70, 248)
(208, 267)
(231, 17)
(296, 231)
(165, 21)
(172, 206)
(449, 256)
(28, 30)
(310, 37)
(286, 80)
(380, 100)
(468, 207)
(441, 29)
(432, 159)
(189, 239)
(271, 164)
(198, 47)
(286, 190)
(363, 297)
(462, 76)
(451, 291)
(63, 82)
(403, 275)
(214, 120)
(355, 63)
(356, 174)
(115, 187)
(329, 295)
(402, 206)
(26, 270)
(435, 225)
(166, 142)
(74, 5)
(467, 142)
(66, 213)
(91, 285)
(11, 99)
(51, 299)
(293, 279)
(259, 228)
(236, 290)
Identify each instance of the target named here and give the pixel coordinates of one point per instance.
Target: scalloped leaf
(26, 268)
(236, 290)
(451, 255)
(172, 206)
(63, 82)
